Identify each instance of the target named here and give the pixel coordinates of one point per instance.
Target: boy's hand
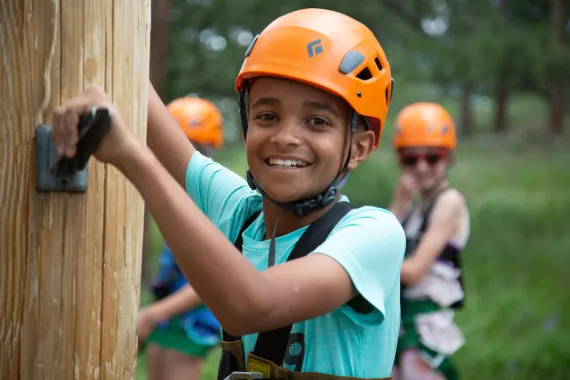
(115, 144)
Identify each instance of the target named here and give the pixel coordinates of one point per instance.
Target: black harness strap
(428, 210)
(425, 213)
(239, 241)
(272, 345)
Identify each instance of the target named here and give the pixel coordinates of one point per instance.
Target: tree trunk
(557, 109)
(501, 89)
(159, 43)
(501, 102)
(557, 89)
(69, 263)
(466, 117)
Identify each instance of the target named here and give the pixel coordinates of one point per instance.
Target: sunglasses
(412, 159)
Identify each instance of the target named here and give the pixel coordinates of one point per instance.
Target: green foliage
(478, 40)
(477, 45)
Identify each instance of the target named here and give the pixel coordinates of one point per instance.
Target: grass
(517, 317)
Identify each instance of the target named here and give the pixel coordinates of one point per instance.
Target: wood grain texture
(69, 263)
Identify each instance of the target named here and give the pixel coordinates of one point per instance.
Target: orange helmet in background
(424, 124)
(327, 50)
(200, 120)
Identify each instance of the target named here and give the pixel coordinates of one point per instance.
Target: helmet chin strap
(304, 206)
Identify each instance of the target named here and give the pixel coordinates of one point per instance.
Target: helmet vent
(389, 91)
(378, 64)
(364, 74)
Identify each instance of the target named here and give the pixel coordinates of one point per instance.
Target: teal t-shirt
(368, 242)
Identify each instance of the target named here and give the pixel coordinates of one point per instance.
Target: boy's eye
(267, 117)
(317, 121)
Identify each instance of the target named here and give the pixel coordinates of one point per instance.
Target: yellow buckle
(255, 365)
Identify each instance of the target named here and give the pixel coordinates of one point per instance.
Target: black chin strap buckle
(329, 196)
(305, 207)
(319, 202)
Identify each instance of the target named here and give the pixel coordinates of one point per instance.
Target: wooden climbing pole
(69, 262)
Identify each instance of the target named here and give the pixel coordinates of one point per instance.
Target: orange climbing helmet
(200, 120)
(327, 50)
(424, 124)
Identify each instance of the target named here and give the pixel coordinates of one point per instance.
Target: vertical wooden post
(69, 263)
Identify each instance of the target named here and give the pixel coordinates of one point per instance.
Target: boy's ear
(362, 146)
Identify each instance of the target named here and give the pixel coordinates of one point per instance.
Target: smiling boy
(314, 94)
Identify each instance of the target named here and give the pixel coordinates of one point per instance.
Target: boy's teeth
(287, 163)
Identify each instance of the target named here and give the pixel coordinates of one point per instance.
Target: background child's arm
(402, 196)
(173, 305)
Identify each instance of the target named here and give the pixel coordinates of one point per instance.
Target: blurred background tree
(501, 68)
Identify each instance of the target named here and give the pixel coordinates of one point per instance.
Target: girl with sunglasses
(436, 224)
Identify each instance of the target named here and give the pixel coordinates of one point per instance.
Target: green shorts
(410, 339)
(174, 338)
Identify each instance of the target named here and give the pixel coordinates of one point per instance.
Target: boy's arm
(243, 299)
(219, 193)
(165, 138)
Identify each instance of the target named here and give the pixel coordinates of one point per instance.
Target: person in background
(437, 228)
(178, 329)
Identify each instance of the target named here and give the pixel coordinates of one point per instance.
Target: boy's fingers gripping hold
(63, 124)
(71, 119)
(66, 120)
